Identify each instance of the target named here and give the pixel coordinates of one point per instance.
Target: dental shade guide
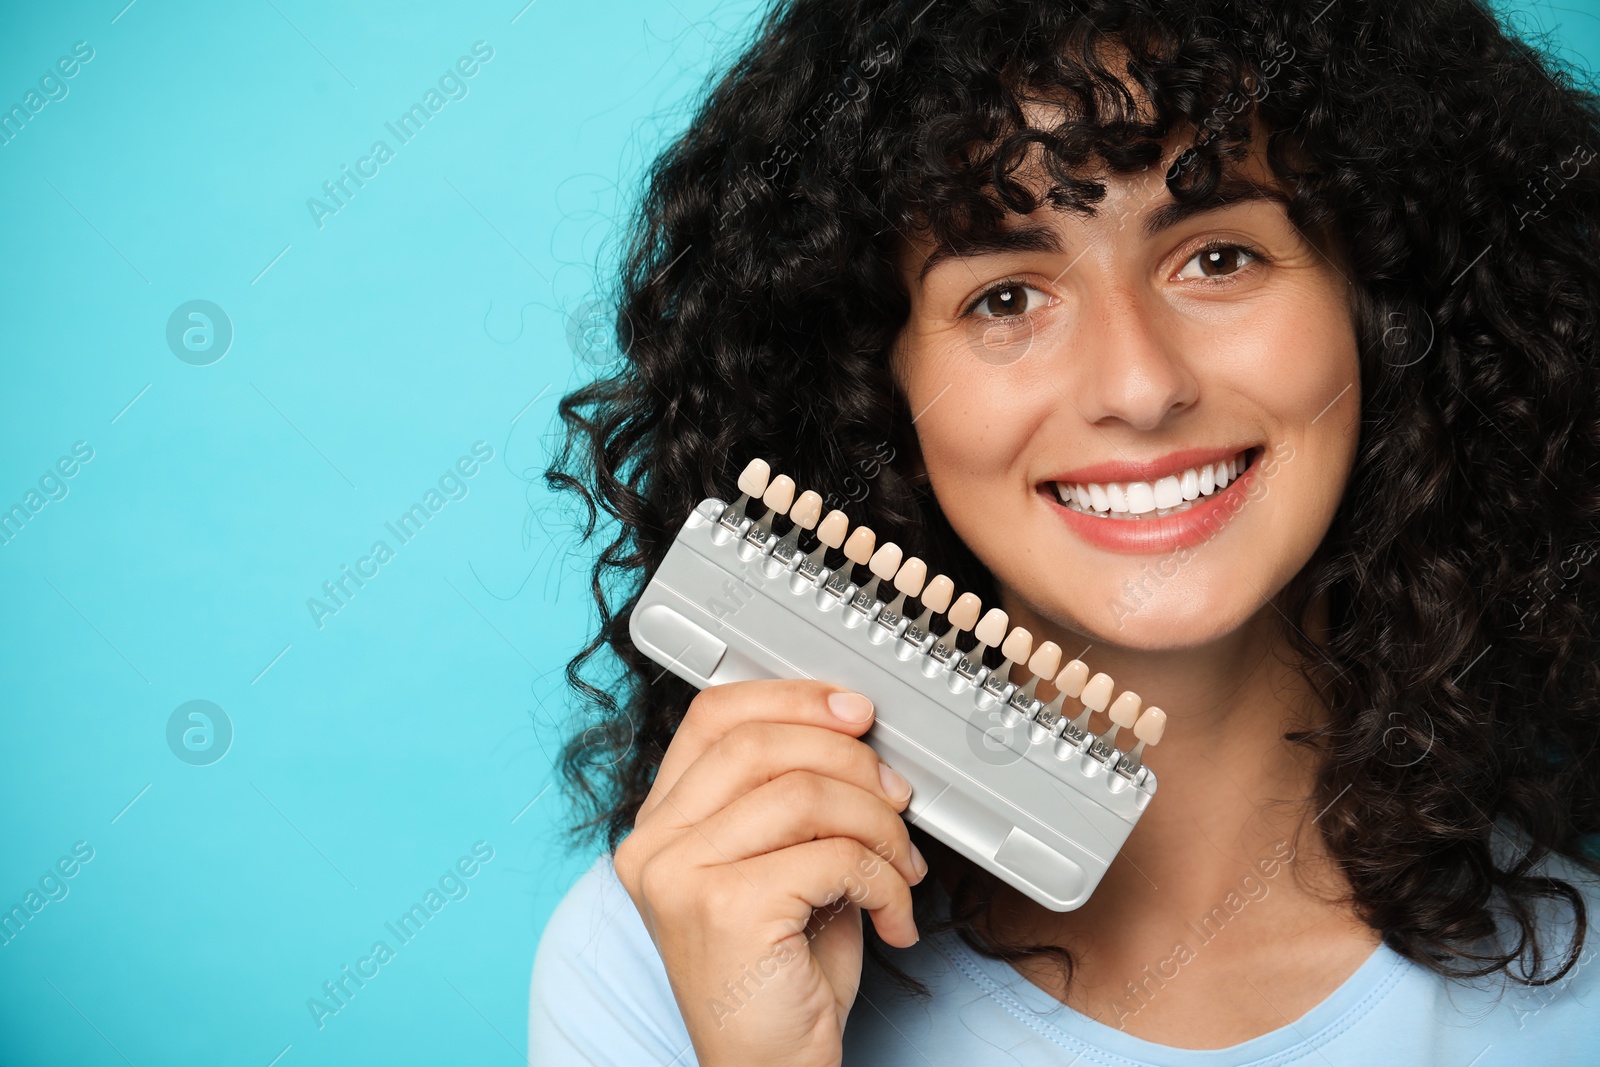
(935, 597)
(830, 535)
(804, 513)
(752, 482)
(997, 773)
(778, 496)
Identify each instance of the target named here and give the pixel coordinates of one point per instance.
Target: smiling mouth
(1171, 495)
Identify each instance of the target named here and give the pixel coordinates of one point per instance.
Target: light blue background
(439, 307)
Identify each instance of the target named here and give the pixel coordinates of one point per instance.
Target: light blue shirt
(601, 996)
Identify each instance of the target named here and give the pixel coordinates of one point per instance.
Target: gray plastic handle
(992, 785)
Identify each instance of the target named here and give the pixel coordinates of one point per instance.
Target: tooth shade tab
(909, 578)
(936, 596)
(806, 510)
(963, 614)
(1018, 645)
(1151, 726)
(1046, 659)
(992, 630)
(1072, 678)
(832, 530)
(753, 482)
(858, 547)
(886, 561)
(1124, 711)
(1097, 693)
(779, 494)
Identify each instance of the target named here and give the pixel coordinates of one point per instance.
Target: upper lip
(1148, 470)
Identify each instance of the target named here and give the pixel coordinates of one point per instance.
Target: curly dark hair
(1453, 165)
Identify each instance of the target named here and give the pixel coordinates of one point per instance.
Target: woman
(1026, 284)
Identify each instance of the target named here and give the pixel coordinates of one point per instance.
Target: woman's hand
(769, 828)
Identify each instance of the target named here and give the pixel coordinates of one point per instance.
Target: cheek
(967, 417)
(1301, 376)
(1293, 361)
(1296, 374)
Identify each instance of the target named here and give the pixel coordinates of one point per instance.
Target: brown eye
(1007, 300)
(1219, 262)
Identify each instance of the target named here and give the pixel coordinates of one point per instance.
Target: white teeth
(1189, 485)
(1170, 494)
(1141, 498)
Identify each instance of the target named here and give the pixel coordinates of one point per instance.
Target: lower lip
(1186, 529)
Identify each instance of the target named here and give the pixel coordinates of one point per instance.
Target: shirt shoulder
(1506, 1022)
(1567, 1004)
(600, 993)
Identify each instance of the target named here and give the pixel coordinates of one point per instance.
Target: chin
(1179, 615)
(1170, 602)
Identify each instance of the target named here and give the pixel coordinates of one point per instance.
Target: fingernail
(894, 783)
(851, 707)
(919, 864)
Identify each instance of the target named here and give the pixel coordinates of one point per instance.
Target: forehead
(1075, 187)
(1140, 199)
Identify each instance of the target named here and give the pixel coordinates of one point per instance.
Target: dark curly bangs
(1454, 168)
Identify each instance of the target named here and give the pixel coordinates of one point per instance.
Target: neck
(1234, 798)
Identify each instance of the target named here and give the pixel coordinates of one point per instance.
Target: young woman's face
(1116, 362)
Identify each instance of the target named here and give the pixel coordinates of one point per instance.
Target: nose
(1129, 368)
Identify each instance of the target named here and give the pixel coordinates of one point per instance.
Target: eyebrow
(1230, 191)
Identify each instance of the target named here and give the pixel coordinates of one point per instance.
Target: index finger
(719, 708)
